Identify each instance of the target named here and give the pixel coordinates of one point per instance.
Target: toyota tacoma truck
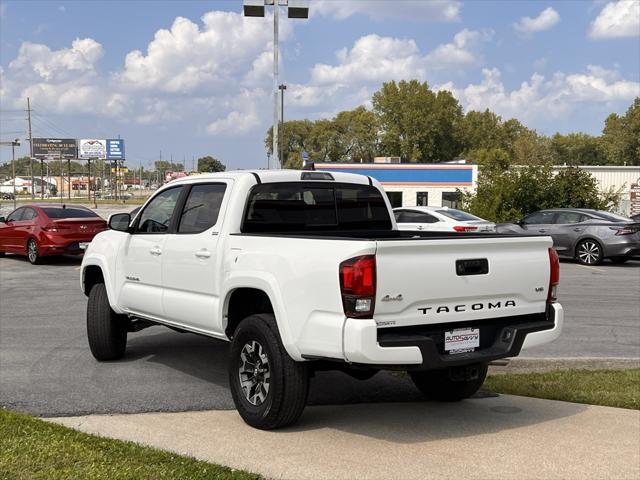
(306, 270)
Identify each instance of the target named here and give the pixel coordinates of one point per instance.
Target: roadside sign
(634, 194)
(55, 148)
(115, 149)
(92, 148)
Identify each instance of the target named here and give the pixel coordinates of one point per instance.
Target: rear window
(612, 217)
(458, 215)
(68, 212)
(305, 206)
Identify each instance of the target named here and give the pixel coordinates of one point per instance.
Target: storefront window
(451, 199)
(422, 199)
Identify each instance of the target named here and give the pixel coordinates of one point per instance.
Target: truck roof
(273, 176)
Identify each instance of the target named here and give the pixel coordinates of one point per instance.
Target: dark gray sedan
(589, 236)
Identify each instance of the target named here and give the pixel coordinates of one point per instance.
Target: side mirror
(120, 222)
(520, 222)
(3, 220)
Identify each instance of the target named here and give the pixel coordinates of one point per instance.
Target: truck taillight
(461, 228)
(554, 276)
(358, 286)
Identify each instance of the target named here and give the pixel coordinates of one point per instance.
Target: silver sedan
(589, 236)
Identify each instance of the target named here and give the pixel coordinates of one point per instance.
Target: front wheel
(32, 252)
(269, 389)
(589, 252)
(450, 385)
(106, 330)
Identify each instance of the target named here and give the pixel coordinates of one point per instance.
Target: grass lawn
(612, 388)
(35, 449)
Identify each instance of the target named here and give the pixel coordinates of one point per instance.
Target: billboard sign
(47, 148)
(115, 149)
(92, 148)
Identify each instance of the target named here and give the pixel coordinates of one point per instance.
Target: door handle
(156, 251)
(203, 254)
(542, 230)
(420, 227)
(577, 229)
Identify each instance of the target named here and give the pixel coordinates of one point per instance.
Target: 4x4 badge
(388, 298)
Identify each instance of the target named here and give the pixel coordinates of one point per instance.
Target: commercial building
(412, 184)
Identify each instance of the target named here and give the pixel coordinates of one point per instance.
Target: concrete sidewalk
(498, 437)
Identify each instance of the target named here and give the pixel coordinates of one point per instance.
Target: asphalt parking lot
(46, 367)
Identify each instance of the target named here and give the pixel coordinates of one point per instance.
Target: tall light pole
(14, 144)
(295, 9)
(282, 88)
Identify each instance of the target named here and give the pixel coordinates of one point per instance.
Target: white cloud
(539, 98)
(375, 59)
(38, 62)
(186, 59)
(617, 19)
(544, 21)
(462, 51)
(433, 10)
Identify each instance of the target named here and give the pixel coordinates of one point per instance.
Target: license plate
(461, 340)
(83, 245)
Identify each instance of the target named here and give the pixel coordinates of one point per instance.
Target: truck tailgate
(418, 282)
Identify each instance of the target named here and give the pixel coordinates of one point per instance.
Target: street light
(14, 144)
(282, 88)
(295, 9)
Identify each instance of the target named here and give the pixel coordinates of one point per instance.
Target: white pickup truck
(306, 270)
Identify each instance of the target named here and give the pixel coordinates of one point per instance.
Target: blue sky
(192, 78)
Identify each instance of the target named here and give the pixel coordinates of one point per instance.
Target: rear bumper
(61, 246)
(421, 348)
(622, 248)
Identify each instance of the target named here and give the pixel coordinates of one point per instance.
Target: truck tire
(106, 330)
(269, 389)
(443, 386)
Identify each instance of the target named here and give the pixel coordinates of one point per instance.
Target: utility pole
(33, 192)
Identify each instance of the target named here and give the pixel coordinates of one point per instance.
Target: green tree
(506, 192)
(417, 124)
(480, 130)
(209, 164)
(577, 149)
(621, 136)
(167, 166)
(576, 188)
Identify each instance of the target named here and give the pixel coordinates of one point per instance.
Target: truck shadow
(387, 406)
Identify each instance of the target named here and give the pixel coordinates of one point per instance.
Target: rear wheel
(106, 330)
(589, 252)
(451, 384)
(619, 259)
(32, 252)
(269, 389)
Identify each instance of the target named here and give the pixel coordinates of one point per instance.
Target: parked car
(7, 196)
(589, 236)
(305, 271)
(440, 219)
(38, 230)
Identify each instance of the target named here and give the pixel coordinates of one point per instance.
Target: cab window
(202, 208)
(156, 216)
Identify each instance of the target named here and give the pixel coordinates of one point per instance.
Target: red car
(38, 230)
